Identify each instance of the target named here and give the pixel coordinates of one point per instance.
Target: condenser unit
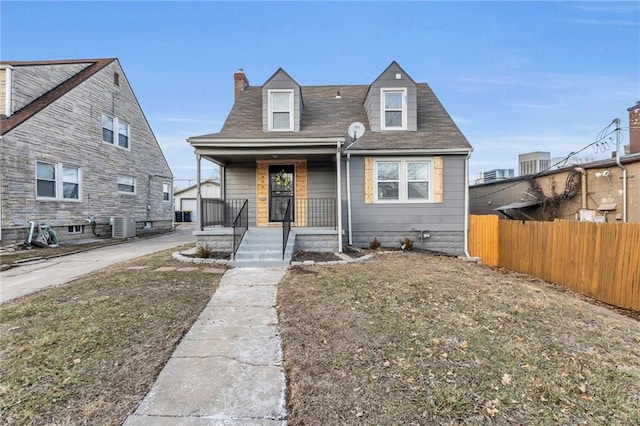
(123, 227)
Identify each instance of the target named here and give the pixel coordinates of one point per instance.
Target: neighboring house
(77, 147)
(593, 191)
(405, 177)
(186, 199)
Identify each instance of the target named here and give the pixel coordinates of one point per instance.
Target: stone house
(76, 150)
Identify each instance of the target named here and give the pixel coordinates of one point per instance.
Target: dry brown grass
(412, 338)
(88, 351)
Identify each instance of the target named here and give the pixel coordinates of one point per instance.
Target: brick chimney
(241, 82)
(634, 128)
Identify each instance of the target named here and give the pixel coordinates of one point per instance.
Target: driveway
(35, 276)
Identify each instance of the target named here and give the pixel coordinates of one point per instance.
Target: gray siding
(391, 222)
(281, 81)
(69, 131)
(321, 180)
(241, 184)
(31, 82)
(388, 80)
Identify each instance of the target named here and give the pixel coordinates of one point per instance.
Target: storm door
(281, 190)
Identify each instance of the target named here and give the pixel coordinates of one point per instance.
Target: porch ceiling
(225, 152)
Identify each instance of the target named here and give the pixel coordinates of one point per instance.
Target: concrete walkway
(31, 277)
(227, 370)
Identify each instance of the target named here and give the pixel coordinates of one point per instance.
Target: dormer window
(394, 109)
(281, 110)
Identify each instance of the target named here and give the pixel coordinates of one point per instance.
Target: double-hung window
(109, 127)
(166, 191)
(393, 109)
(402, 181)
(57, 181)
(123, 134)
(126, 184)
(281, 110)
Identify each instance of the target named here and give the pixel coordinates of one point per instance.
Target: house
(601, 191)
(76, 151)
(354, 163)
(185, 199)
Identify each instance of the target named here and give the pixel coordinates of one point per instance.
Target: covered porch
(288, 184)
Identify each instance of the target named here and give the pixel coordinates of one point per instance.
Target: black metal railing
(309, 212)
(216, 212)
(240, 226)
(315, 212)
(211, 212)
(286, 227)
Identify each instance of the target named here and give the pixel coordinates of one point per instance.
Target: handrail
(286, 227)
(241, 223)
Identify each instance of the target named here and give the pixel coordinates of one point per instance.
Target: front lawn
(418, 339)
(87, 352)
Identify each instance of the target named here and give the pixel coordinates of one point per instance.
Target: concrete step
(259, 263)
(262, 248)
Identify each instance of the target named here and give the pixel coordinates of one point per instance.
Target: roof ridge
(46, 99)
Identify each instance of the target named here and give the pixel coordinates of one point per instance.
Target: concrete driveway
(32, 277)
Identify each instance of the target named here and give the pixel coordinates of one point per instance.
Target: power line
(599, 139)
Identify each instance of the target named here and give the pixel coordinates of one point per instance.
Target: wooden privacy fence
(599, 260)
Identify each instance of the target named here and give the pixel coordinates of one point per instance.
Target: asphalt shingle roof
(325, 116)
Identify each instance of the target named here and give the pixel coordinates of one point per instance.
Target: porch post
(198, 197)
(339, 197)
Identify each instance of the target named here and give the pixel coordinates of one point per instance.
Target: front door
(281, 190)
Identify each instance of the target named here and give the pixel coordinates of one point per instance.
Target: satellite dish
(355, 130)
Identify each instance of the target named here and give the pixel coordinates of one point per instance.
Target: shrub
(406, 244)
(203, 251)
(375, 244)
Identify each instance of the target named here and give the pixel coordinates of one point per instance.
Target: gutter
(398, 152)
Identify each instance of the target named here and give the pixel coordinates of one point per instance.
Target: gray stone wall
(69, 131)
(317, 243)
(450, 242)
(31, 82)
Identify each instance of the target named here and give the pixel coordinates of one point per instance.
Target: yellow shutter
(368, 180)
(438, 191)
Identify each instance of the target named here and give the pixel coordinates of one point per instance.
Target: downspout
(466, 205)
(349, 198)
(339, 197)
(624, 171)
(198, 197)
(583, 182)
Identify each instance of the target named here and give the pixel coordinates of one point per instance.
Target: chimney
(634, 128)
(240, 81)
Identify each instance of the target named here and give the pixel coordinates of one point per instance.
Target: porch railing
(306, 212)
(315, 212)
(240, 226)
(216, 212)
(286, 227)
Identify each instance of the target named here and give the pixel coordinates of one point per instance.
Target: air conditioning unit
(123, 227)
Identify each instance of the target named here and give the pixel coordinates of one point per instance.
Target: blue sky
(515, 76)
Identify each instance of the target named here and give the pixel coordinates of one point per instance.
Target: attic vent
(116, 79)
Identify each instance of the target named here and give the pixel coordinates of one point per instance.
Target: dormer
(281, 103)
(391, 101)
